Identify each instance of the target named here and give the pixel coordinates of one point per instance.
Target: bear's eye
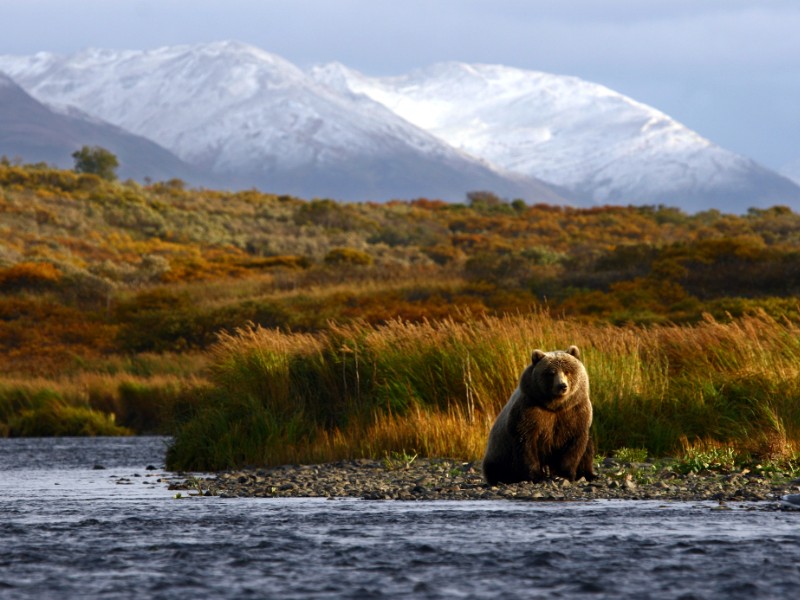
(550, 372)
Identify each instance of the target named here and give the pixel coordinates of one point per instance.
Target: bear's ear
(573, 350)
(537, 356)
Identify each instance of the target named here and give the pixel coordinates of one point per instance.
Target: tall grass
(435, 388)
(95, 404)
(29, 410)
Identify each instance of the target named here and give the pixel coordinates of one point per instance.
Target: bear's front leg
(533, 465)
(568, 460)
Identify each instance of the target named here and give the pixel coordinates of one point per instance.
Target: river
(70, 529)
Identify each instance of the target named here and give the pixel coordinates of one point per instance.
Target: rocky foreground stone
(443, 479)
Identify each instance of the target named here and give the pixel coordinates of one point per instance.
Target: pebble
(438, 479)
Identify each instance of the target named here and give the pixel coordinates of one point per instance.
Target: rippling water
(68, 530)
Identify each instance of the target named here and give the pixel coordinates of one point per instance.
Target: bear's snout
(560, 385)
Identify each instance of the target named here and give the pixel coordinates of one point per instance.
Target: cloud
(383, 34)
(623, 34)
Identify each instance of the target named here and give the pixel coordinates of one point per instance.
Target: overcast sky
(729, 69)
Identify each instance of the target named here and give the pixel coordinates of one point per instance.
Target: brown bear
(544, 427)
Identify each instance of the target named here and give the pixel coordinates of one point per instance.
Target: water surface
(69, 530)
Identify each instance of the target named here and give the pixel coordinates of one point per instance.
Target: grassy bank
(95, 404)
(434, 389)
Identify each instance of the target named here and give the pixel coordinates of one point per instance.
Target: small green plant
(643, 474)
(630, 455)
(398, 460)
(195, 483)
(696, 460)
(776, 468)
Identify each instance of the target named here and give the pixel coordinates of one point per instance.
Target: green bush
(97, 161)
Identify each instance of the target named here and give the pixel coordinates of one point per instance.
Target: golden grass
(435, 387)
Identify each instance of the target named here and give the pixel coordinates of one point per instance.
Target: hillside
(260, 329)
(92, 268)
(33, 132)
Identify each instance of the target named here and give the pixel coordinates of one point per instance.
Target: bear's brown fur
(544, 427)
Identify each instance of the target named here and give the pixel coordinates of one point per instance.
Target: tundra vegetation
(261, 328)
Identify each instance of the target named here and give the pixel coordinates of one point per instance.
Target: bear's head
(552, 378)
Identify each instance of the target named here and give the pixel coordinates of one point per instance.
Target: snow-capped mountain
(256, 119)
(596, 143)
(242, 114)
(34, 132)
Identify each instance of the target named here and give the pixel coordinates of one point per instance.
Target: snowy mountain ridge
(238, 111)
(252, 116)
(593, 141)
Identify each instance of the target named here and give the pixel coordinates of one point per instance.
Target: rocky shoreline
(443, 479)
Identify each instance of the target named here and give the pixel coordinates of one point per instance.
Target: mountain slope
(599, 144)
(34, 132)
(792, 171)
(256, 119)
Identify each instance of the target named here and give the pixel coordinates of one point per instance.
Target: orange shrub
(29, 276)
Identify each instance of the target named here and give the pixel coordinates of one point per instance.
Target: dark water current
(69, 531)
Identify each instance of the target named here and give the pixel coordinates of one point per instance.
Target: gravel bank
(442, 479)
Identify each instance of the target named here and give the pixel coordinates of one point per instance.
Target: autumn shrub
(331, 215)
(89, 182)
(443, 254)
(39, 335)
(508, 270)
(273, 262)
(164, 320)
(484, 200)
(29, 276)
(161, 320)
(347, 256)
